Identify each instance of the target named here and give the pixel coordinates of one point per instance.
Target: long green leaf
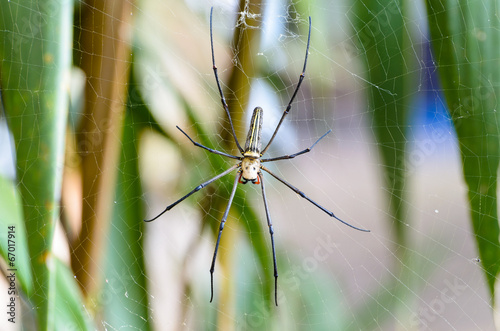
(124, 294)
(466, 45)
(380, 31)
(36, 58)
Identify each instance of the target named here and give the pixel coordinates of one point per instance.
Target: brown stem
(104, 54)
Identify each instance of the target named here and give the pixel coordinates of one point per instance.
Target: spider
(250, 164)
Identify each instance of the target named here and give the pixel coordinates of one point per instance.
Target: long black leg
(221, 227)
(222, 99)
(299, 192)
(286, 157)
(289, 106)
(196, 189)
(210, 149)
(271, 231)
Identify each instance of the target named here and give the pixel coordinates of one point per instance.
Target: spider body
(250, 165)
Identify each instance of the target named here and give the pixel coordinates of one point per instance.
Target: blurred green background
(92, 91)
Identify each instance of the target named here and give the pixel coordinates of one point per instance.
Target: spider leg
(223, 100)
(299, 192)
(286, 157)
(289, 106)
(271, 231)
(196, 189)
(221, 227)
(209, 149)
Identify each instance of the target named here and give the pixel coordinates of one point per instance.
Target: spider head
(250, 168)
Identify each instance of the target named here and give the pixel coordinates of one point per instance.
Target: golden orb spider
(250, 165)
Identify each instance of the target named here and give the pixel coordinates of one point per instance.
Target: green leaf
(465, 40)
(124, 294)
(36, 58)
(254, 310)
(11, 215)
(381, 32)
(69, 309)
(258, 237)
(312, 297)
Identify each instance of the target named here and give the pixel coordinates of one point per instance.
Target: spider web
(344, 269)
(329, 274)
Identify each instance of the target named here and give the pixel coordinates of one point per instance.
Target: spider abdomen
(253, 144)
